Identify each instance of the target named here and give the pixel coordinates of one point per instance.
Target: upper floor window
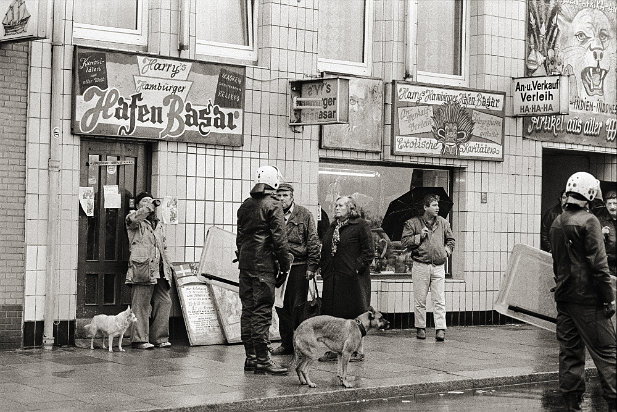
(345, 33)
(116, 21)
(225, 28)
(441, 40)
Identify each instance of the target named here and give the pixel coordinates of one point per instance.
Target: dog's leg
(343, 360)
(92, 343)
(111, 342)
(299, 371)
(305, 370)
(120, 342)
(103, 339)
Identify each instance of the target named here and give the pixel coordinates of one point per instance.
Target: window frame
(349, 67)
(231, 51)
(412, 50)
(137, 37)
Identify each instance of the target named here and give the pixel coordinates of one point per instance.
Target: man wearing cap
(584, 297)
(263, 260)
(149, 275)
(304, 246)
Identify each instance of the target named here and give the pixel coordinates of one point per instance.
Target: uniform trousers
(257, 297)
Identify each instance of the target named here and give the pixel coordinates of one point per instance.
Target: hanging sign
(23, 19)
(151, 97)
(538, 96)
(319, 101)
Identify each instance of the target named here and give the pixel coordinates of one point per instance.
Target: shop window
(345, 34)
(225, 28)
(374, 187)
(441, 41)
(116, 21)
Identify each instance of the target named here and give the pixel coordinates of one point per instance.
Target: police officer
(304, 246)
(584, 297)
(264, 261)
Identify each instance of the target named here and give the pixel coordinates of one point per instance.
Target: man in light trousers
(430, 239)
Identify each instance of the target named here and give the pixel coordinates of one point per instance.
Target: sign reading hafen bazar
(575, 39)
(436, 121)
(150, 97)
(536, 96)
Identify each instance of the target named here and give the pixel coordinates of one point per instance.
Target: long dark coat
(346, 275)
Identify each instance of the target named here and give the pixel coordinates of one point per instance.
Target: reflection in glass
(121, 14)
(341, 34)
(440, 36)
(223, 21)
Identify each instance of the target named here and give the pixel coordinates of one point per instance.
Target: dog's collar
(361, 327)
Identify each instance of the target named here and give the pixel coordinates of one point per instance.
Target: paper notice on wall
(169, 210)
(86, 200)
(111, 197)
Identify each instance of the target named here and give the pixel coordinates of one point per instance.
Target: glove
(309, 275)
(280, 279)
(609, 309)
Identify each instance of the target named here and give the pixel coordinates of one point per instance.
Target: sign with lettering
(150, 97)
(575, 38)
(537, 96)
(319, 101)
(23, 19)
(436, 121)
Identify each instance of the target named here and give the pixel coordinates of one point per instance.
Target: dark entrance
(103, 244)
(557, 167)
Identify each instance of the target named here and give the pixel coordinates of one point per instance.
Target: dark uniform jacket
(302, 238)
(579, 259)
(262, 239)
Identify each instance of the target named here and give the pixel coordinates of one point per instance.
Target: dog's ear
(371, 315)
(370, 308)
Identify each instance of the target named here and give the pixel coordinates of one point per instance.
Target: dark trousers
(257, 297)
(295, 294)
(580, 326)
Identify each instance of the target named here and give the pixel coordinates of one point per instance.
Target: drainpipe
(53, 215)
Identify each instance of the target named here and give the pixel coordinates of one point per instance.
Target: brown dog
(342, 336)
(110, 327)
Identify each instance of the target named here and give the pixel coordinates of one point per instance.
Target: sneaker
(357, 357)
(162, 345)
(329, 356)
(142, 345)
(421, 333)
(282, 350)
(440, 336)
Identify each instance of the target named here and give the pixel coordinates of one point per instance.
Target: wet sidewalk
(212, 377)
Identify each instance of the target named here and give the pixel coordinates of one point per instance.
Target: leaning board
(200, 315)
(525, 292)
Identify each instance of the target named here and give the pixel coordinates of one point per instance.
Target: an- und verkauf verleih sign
(157, 98)
(540, 96)
(436, 121)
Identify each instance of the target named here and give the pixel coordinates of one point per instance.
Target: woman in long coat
(346, 254)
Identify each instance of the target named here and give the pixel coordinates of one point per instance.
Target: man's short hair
(611, 195)
(428, 199)
(285, 187)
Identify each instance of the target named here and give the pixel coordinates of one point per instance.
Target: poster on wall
(23, 19)
(150, 97)
(364, 132)
(436, 121)
(575, 38)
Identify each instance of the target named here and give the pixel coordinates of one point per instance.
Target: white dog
(110, 327)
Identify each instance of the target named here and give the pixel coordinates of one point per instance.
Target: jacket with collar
(579, 258)
(147, 249)
(354, 252)
(302, 237)
(431, 249)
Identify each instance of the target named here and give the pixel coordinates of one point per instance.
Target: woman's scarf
(336, 236)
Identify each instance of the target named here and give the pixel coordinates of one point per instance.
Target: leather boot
(251, 358)
(266, 365)
(573, 401)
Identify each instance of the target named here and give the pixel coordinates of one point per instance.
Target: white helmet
(584, 184)
(269, 175)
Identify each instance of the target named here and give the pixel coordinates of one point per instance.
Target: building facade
(187, 98)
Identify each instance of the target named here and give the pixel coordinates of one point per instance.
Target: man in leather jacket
(304, 246)
(263, 260)
(547, 220)
(583, 294)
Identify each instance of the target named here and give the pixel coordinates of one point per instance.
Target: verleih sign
(539, 96)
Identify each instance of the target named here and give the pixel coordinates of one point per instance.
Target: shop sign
(319, 101)
(23, 19)
(150, 97)
(538, 96)
(436, 121)
(575, 38)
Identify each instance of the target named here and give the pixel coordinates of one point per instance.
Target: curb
(354, 394)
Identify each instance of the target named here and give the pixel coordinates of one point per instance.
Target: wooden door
(118, 167)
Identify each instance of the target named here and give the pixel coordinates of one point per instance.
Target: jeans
(580, 326)
(151, 301)
(257, 297)
(427, 276)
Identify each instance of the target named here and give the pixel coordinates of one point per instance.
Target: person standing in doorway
(304, 246)
(547, 220)
(608, 221)
(430, 240)
(583, 294)
(149, 275)
(263, 260)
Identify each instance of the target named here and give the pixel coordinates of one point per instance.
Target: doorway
(107, 167)
(557, 167)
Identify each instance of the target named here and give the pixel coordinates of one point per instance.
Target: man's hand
(424, 233)
(280, 279)
(310, 274)
(448, 251)
(606, 230)
(609, 309)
